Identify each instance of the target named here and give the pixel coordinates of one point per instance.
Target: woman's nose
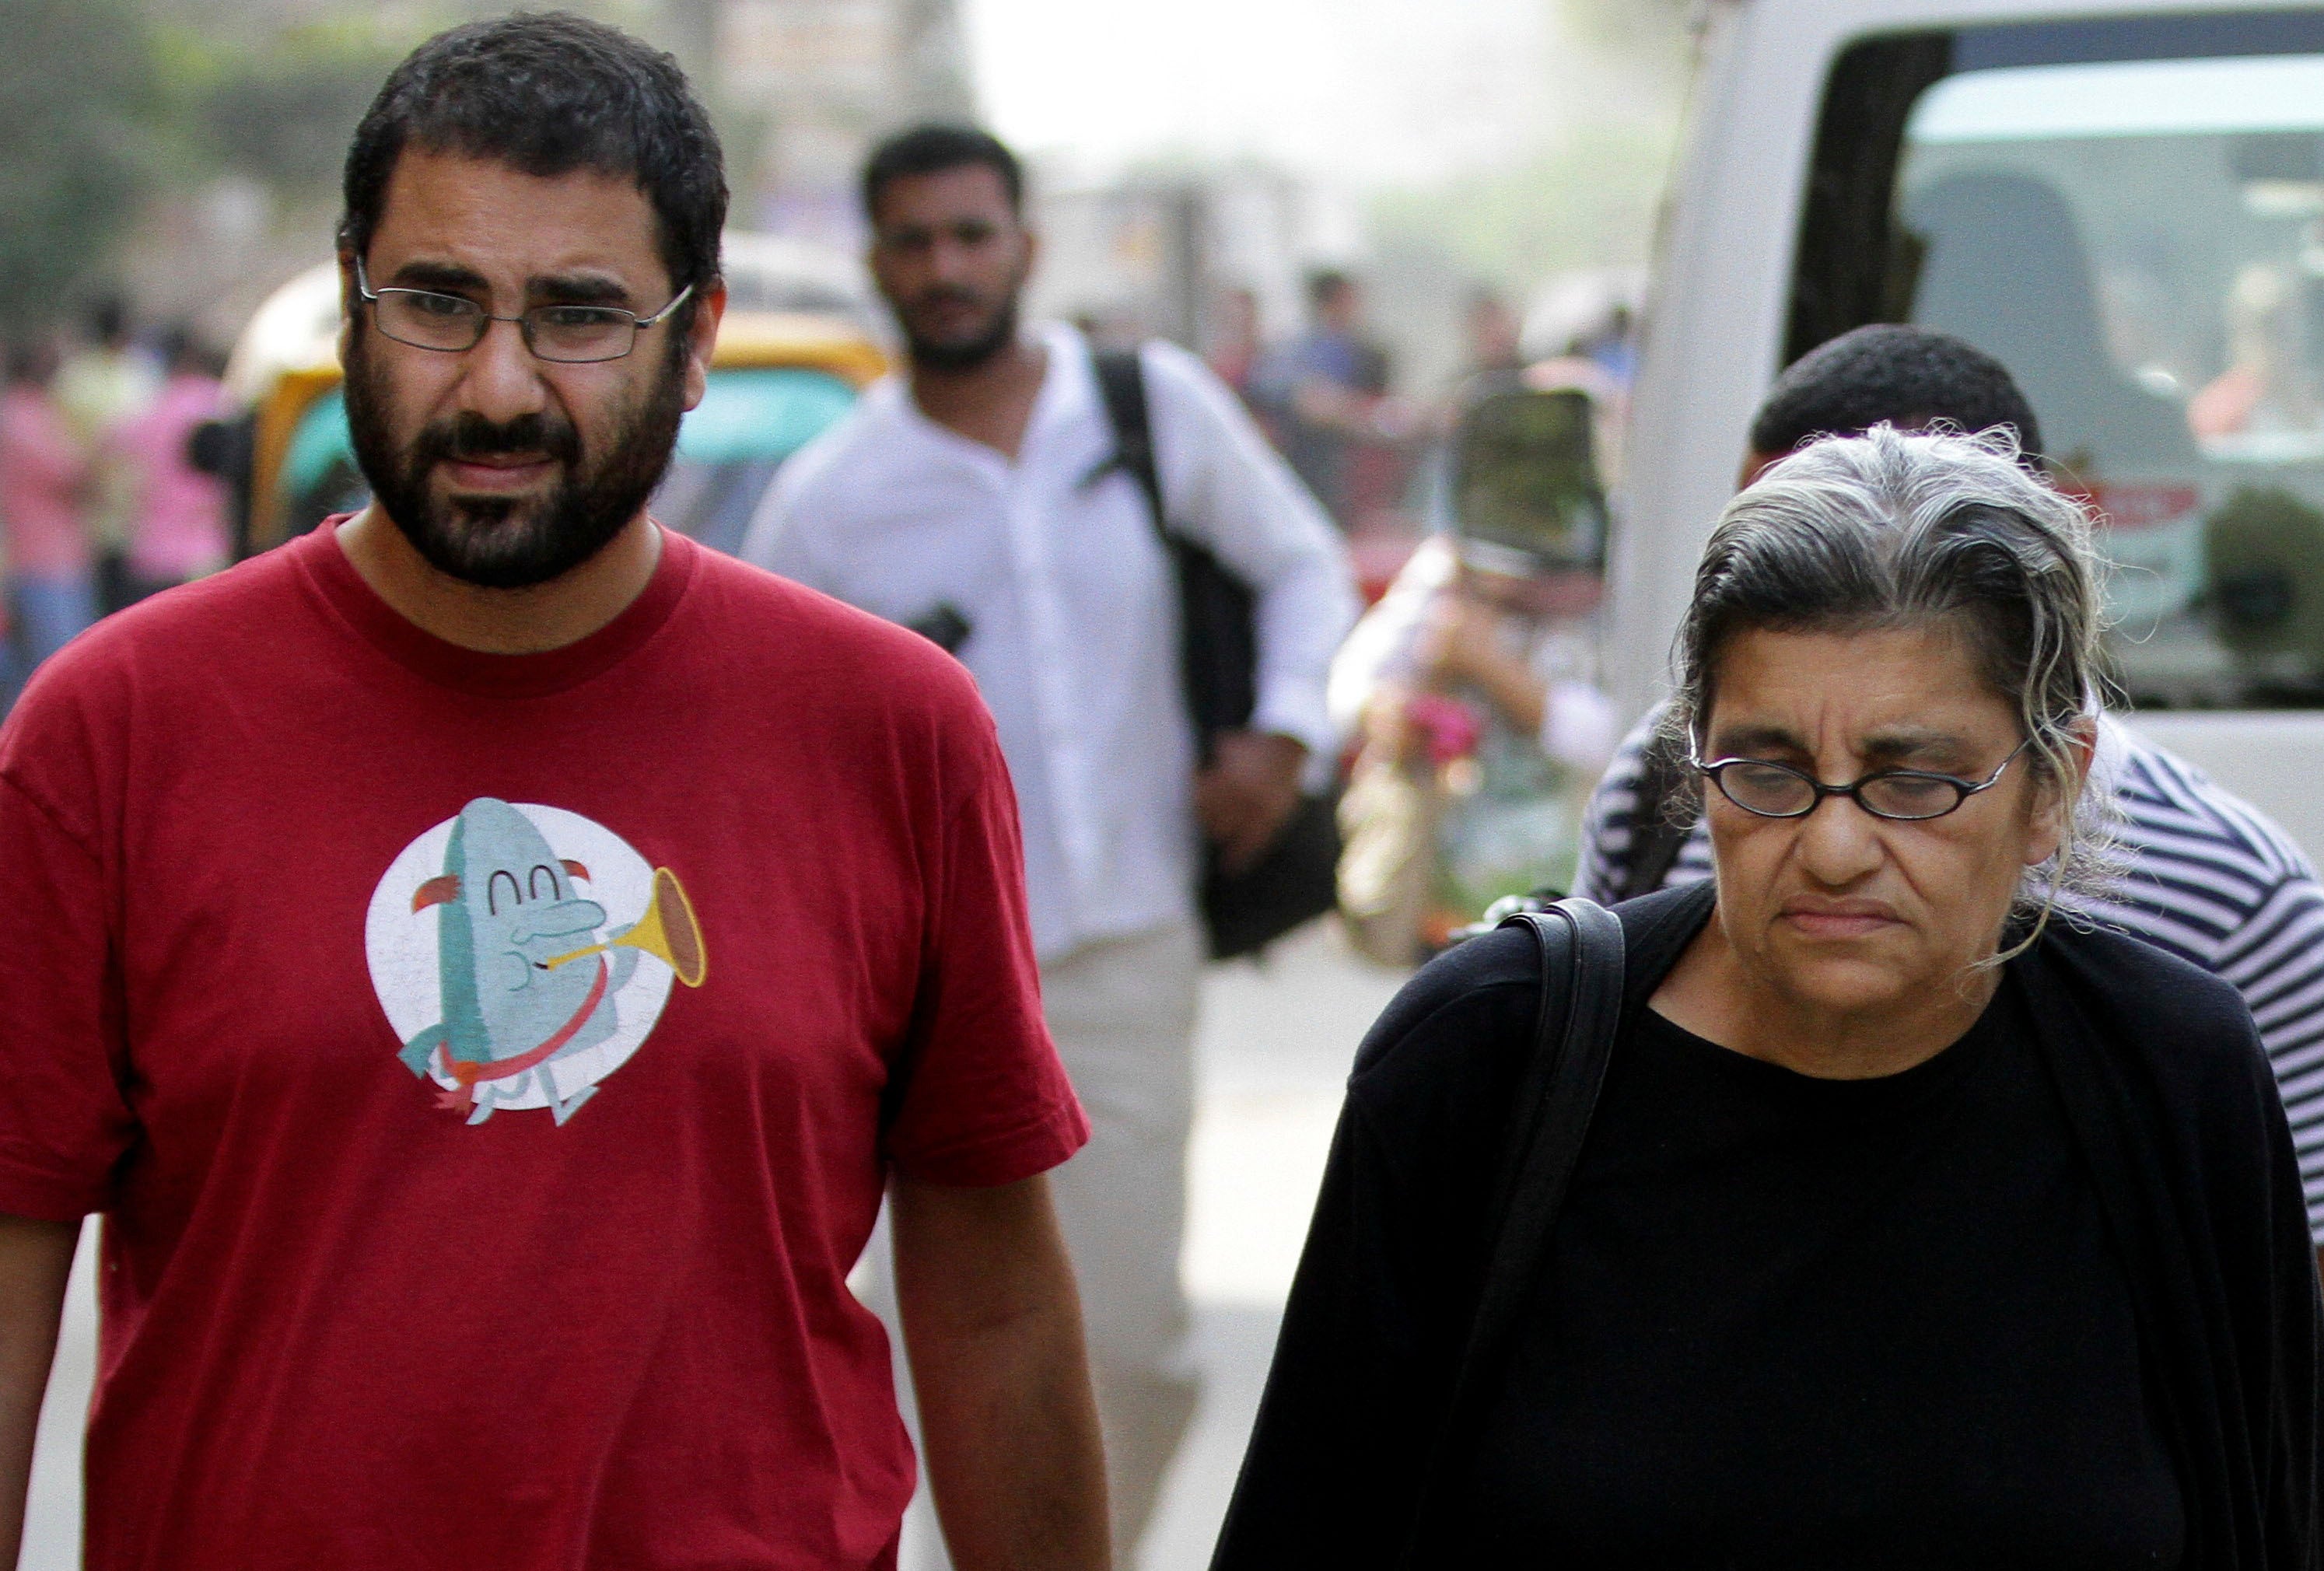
(1840, 842)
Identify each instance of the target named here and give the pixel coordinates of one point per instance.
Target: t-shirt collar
(356, 605)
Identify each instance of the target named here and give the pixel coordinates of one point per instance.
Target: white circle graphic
(401, 940)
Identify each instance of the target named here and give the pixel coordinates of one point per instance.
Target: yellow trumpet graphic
(668, 931)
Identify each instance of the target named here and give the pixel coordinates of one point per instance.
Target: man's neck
(990, 402)
(530, 621)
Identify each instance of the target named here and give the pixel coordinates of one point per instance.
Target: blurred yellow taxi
(799, 341)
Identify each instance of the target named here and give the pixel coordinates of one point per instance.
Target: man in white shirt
(977, 498)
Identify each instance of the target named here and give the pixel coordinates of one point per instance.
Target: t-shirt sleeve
(984, 1099)
(64, 1120)
(2276, 959)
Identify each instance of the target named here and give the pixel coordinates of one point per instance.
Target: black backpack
(1295, 879)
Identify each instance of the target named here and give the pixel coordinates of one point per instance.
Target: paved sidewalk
(52, 1504)
(1276, 1038)
(1276, 1042)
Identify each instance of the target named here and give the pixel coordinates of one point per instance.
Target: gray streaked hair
(1892, 529)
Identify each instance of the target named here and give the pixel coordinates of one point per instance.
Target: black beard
(503, 543)
(967, 354)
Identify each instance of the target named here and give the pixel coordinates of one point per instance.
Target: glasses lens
(581, 332)
(429, 321)
(1767, 787)
(1909, 796)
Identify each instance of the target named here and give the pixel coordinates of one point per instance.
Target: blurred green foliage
(277, 108)
(108, 102)
(75, 144)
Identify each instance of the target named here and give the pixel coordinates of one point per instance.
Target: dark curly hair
(1909, 377)
(548, 92)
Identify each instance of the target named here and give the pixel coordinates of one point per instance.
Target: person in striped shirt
(2198, 871)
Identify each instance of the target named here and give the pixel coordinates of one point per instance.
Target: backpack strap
(1121, 386)
(1582, 956)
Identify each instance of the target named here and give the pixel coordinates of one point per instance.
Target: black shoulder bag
(1583, 960)
(1295, 879)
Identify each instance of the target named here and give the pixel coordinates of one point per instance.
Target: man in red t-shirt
(486, 959)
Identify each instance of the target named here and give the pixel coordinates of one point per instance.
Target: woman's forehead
(1907, 686)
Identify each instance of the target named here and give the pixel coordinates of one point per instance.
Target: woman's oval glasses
(1777, 790)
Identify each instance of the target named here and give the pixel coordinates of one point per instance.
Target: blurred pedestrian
(982, 497)
(45, 478)
(1236, 344)
(1613, 347)
(1473, 684)
(488, 958)
(1324, 392)
(102, 387)
(179, 532)
(2201, 874)
(1489, 332)
(1871, 1212)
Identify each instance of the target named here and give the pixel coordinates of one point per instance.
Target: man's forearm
(36, 1258)
(993, 1328)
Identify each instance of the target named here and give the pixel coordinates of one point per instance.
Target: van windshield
(2142, 243)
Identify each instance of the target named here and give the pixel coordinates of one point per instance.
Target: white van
(2124, 203)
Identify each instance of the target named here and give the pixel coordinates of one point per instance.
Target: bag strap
(1582, 980)
(1121, 385)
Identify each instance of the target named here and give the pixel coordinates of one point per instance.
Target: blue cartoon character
(525, 981)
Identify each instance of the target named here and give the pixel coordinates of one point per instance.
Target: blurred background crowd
(1364, 256)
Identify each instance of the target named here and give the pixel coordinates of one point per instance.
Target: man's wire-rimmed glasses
(452, 324)
(1910, 796)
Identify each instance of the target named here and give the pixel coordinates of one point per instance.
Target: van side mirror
(1524, 477)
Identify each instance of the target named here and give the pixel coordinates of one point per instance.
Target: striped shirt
(2199, 873)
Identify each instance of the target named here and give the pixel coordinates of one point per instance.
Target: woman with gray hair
(1911, 1223)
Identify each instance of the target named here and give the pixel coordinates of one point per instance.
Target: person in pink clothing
(43, 473)
(178, 532)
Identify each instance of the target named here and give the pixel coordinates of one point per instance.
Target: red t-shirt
(437, 1237)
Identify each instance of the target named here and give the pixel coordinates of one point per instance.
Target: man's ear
(350, 303)
(702, 338)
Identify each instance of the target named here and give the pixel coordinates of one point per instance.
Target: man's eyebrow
(441, 275)
(578, 289)
(581, 289)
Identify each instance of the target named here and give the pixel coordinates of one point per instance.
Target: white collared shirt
(1072, 611)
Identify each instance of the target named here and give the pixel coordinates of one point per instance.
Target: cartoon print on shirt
(497, 957)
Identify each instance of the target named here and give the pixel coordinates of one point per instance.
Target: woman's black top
(2047, 1299)
(1787, 1322)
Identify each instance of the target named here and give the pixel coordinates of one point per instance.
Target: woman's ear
(2054, 798)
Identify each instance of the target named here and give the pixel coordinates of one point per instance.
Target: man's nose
(1840, 842)
(950, 261)
(503, 379)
